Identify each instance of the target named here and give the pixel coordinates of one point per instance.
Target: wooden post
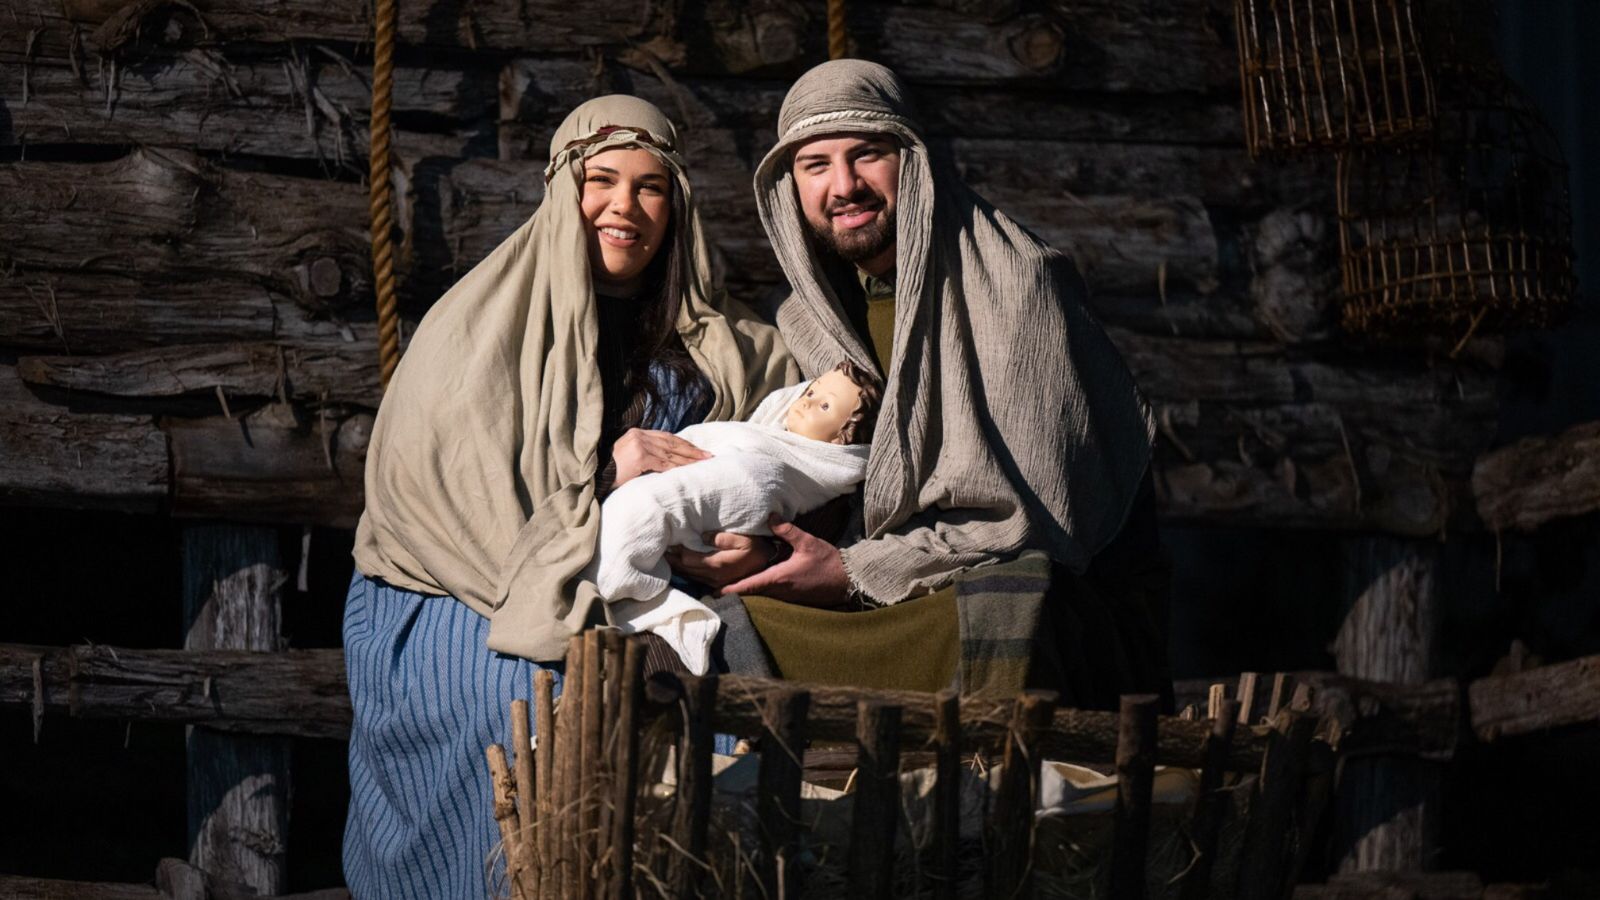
(625, 769)
(589, 763)
(1017, 795)
(238, 785)
(1136, 761)
(1387, 807)
(1210, 803)
(947, 796)
(522, 758)
(778, 801)
(544, 726)
(870, 860)
(569, 722)
(1265, 866)
(692, 805)
(505, 816)
(611, 641)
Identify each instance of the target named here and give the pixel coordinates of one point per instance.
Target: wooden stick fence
(581, 814)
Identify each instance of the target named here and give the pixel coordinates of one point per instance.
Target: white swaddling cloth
(757, 469)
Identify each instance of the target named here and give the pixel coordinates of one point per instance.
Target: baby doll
(804, 445)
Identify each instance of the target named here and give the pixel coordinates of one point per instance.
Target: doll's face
(822, 410)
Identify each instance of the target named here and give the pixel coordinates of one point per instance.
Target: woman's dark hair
(858, 428)
(656, 340)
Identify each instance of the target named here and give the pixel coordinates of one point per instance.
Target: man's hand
(736, 556)
(639, 451)
(813, 576)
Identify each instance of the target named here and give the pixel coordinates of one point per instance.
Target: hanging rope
(837, 43)
(382, 217)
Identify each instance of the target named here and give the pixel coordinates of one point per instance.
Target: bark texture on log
(1537, 479)
(299, 105)
(1547, 697)
(238, 784)
(51, 456)
(299, 693)
(171, 214)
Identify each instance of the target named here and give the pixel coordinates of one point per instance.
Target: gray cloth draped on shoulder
(1009, 420)
(480, 473)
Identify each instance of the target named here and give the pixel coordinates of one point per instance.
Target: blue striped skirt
(429, 696)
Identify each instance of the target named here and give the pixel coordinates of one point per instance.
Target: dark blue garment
(428, 697)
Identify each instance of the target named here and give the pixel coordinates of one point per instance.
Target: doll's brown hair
(858, 428)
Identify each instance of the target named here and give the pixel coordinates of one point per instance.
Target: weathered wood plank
(1098, 45)
(1525, 484)
(22, 887)
(1547, 697)
(313, 370)
(301, 105)
(113, 27)
(93, 312)
(54, 457)
(293, 692)
(536, 92)
(279, 464)
(169, 214)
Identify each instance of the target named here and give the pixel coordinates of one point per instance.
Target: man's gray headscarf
(1009, 420)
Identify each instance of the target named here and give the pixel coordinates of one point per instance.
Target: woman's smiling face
(627, 204)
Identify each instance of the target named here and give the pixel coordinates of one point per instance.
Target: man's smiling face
(847, 186)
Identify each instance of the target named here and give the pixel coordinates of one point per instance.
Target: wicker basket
(1332, 74)
(1468, 233)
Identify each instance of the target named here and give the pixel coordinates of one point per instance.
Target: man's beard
(856, 244)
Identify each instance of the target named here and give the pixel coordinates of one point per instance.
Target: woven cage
(1468, 233)
(1332, 74)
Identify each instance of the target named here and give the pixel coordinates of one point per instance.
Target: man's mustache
(863, 199)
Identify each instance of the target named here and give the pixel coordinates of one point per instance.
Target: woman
(549, 374)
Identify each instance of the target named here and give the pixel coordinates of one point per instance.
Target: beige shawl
(480, 475)
(1009, 420)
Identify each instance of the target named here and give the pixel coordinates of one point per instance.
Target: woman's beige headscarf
(1009, 420)
(480, 474)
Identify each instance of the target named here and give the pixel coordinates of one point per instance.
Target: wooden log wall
(185, 302)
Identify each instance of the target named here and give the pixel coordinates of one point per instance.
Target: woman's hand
(736, 556)
(813, 576)
(639, 451)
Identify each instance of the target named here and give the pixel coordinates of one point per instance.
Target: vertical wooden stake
(544, 724)
(569, 725)
(1136, 761)
(947, 795)
(1017, 797)
(589, 757)
(1210, 804)
(1283, 685)
(625, 768)
(505, 815)
(610, 697)
(778, 800)
(870, 860)
(1214, 698)
(1248, 682)
(692, 812)
(1265, 863)
(522, 758)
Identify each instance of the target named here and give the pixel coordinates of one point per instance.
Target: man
(1009, 421)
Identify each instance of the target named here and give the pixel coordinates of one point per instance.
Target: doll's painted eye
(824, 407)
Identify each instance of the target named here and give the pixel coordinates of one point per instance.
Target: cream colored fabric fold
(1009, 420)
(480, 474)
